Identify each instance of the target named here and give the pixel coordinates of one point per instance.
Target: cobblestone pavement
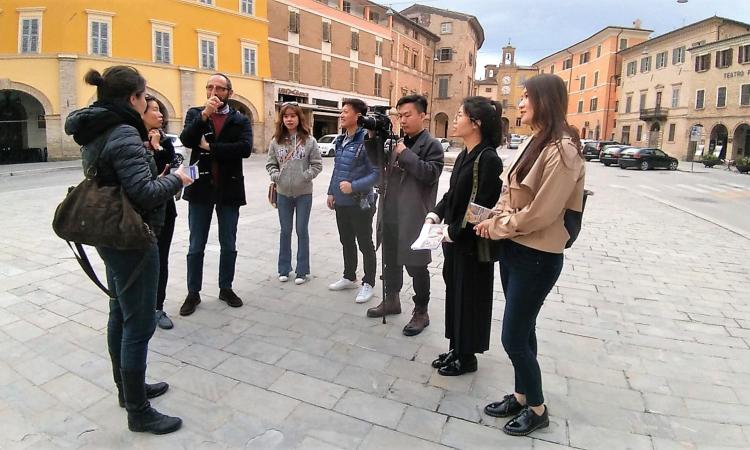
(643, 343)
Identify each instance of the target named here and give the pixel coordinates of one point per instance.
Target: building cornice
(742, 39)
(224, 11)
(594, 38)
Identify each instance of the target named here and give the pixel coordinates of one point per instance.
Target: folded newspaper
(477, 213)
(430, 237)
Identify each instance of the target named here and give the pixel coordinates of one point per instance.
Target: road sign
(695, 133)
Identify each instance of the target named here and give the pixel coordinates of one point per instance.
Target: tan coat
(531, 212)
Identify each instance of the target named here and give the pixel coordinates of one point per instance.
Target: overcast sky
(538, 28)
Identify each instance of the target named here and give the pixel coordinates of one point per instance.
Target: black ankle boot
(152, 391)
(141, 416)
(526, 422)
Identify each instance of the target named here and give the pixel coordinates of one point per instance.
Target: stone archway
(718, 138)
(654, 135)
(741, 141)
(441, 125)
(23, 128)
(246, 107)
(170, 123)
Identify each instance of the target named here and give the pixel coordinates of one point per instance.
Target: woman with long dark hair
(468, 278)
(546, 178)
(293, 161)
(160, 146)
(112, 134)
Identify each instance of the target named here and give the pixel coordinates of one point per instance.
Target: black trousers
(528, 275)
(164, 242)
(355, 224)
(394, 270)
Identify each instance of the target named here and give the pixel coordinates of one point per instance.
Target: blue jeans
(287, 206)
(131, 312)
(528, 275)
(199, 221)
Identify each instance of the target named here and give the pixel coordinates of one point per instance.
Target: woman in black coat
(468, 282)
(162, 149)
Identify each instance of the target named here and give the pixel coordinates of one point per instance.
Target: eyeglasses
(211, 87)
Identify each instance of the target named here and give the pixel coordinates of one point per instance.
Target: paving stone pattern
(643, 343)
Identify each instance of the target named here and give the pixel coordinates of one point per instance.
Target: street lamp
(432, 87)
(682, 1)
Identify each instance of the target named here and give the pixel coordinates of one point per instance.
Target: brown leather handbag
(272, 195)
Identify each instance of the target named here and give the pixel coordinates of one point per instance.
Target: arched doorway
(653, 135)
(441, 125)
(241, 108)
(718, 141)
(23, 133)
(741, 141)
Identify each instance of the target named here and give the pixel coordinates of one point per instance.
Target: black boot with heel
(141, 416)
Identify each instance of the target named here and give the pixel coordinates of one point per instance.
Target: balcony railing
(654, 114)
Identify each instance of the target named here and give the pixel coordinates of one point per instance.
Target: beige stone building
(324, 51)
(504, 83)
(461, 36)
(591, 70)
(694, 78)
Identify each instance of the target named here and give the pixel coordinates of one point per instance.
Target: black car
(611, 153)
(593, 149)
(647, 158)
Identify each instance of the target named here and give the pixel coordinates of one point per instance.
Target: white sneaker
(300, 280)
(343, 284)
(283, 278)
(365, 293)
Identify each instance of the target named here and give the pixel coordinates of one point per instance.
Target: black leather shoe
(192, 300)
(509, 406)
(526, 422)
(443, 359)
(230, 297)
(459, 366)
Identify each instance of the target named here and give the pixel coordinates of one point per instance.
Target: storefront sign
(293, 92)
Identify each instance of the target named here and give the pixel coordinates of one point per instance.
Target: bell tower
(509, 55)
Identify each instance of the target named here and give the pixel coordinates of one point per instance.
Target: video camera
(377, 120)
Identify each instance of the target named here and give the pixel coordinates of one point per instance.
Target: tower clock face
(505, 90)
(506, 80)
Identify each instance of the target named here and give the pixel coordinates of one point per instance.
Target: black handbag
(100, 215)
(574, 219)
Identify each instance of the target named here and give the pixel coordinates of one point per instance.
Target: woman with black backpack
(112, 134)
(545, 179)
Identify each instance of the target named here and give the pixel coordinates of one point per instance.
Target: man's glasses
(211, 87)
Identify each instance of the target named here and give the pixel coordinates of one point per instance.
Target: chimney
(637, 24)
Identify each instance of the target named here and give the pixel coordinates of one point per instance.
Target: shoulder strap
(83, 261)
(475, 181)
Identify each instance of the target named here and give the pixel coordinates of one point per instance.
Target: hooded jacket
(115, 134)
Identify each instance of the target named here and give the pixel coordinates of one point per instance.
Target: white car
(445, 143)
(514, 142)
(181, 153)
(325, 145)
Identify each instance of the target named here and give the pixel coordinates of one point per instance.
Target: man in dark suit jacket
(220, 137)
(412, 173)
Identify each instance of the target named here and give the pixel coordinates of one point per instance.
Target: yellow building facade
(46, 47)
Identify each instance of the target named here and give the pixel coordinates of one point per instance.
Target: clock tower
(509, 55)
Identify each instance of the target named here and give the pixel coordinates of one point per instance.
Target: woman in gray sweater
(293, 161)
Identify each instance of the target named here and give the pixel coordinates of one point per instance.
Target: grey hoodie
(293, 174)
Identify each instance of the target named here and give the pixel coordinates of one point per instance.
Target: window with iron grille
(99, 38)
(30, 35)
(445, 54)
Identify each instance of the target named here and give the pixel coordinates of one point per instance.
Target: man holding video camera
(220, 137)
(412, 170)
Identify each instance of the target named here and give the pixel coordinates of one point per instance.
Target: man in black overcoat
(412, 171)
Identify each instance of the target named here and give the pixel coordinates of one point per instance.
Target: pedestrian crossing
(719, 189)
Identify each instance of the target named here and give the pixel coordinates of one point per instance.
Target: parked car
(593, 149)
(445, 143)
(325, 145)
(646, 158)
(181, 153)
(611, 153)
(514, 142)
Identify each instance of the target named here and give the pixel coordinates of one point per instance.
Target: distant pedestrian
(468, 279)
(161, 147)
(112, 133)
(546, 178)
(351, 195)
(293, 162)
(220, 138)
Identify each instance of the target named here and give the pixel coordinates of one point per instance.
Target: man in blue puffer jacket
(351, 195)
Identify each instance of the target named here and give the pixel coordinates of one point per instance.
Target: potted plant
(743, 164)
(710, 160)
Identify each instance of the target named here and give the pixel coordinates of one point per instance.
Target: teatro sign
(737, 73)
